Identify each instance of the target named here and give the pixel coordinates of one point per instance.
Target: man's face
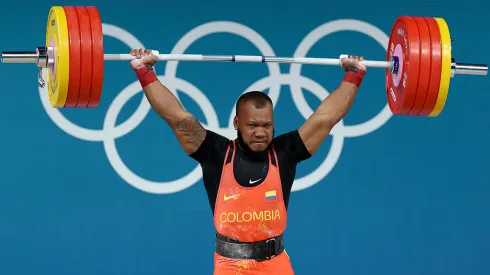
(256, 126)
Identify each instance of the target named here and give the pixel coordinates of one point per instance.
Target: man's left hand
(352, 60)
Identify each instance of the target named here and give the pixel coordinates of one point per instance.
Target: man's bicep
(314, 131)
(212, 149)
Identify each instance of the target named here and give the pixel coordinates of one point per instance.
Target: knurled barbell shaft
(35, 57)
(250, 58)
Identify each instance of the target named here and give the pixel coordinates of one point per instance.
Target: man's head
(254, 120)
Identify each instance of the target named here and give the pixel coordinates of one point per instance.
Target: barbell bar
(35, 57)
(418, 62)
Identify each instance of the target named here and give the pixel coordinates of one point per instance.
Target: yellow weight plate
(445, 69)
(58, 38)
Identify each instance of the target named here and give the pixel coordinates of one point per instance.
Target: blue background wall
(409, 196)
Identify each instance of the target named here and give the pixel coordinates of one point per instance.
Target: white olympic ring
(273, 82)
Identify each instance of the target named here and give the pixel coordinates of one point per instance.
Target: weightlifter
(248, 180)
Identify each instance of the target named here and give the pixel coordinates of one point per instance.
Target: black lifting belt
(259, 251)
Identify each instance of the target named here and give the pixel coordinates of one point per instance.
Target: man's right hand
(143, 57)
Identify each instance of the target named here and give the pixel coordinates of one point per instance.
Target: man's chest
(250, 173)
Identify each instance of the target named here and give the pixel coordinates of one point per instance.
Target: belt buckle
(270, 250)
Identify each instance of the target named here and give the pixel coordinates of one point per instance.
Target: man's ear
(235, 122)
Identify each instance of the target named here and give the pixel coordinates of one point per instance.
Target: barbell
(418, 63)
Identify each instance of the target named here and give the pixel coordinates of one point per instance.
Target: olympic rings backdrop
(109, 191)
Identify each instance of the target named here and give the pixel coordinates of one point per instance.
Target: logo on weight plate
(110, 131)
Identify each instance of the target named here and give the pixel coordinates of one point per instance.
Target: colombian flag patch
(270, 195)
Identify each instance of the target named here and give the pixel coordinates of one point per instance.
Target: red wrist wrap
(145, 76)
(354, 77)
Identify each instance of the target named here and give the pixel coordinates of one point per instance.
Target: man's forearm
(188, 130)
(333, 108)
(186, 127)
(163, 101)
(337, 104)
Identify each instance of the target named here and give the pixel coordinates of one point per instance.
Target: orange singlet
(250, 214)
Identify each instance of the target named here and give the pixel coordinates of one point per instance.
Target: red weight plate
(425, 62)
(436, 66)
(86, 54)
(97, 57)
(74, 76)
(404, 43)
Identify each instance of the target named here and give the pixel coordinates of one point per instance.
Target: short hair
(258, 98)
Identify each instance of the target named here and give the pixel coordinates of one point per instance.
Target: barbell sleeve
(19, 57)
(469, 69)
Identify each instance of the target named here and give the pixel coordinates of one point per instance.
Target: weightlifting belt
(259, 251)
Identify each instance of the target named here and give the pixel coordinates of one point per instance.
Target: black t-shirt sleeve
(212, 149)
(292, 144)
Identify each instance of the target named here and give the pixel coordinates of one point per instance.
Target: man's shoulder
(216, 140)
(284, 137)
(284, 140)
(292, 144)
(212, 148)
(214, 135)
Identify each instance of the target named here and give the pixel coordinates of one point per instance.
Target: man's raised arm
(189, 132)
(333, 108)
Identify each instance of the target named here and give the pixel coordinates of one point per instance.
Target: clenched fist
(352, 60)
(143, 57)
